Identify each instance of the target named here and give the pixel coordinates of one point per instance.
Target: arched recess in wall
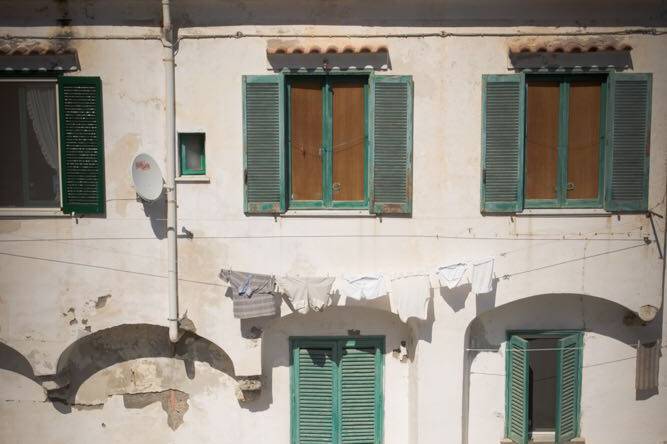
(488, 330)
(106, 348)
(333, 321)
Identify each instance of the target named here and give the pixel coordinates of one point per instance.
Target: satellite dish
(147, 177)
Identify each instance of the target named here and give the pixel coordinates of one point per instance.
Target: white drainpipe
(170, 139)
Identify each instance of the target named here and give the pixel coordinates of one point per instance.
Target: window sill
(32, 212)
(573, 441)
(328, 213)
(192, 179)
(598, 212)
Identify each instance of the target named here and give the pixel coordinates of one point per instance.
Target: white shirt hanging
(410, 296)
(362, 287)
(482, 276)
(450, 276)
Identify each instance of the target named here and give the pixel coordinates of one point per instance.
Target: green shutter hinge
(484, 175)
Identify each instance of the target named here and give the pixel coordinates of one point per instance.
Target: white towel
(450, 276)
(360, 287)
(306, 293)
(482, 276)
(410, 296)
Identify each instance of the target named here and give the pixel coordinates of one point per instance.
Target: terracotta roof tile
(319, 46)
(569, 45)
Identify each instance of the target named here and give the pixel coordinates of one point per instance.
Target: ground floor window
(337, 390)
(543, 386)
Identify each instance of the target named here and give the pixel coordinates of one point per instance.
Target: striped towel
(252, 294)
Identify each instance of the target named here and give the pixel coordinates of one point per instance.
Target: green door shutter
(517, 390)
(628, 142)
(81, 144)
(264, 144)
(567, 408)
(361, 403)
(391, 145)
(503, 117)
(314, 390)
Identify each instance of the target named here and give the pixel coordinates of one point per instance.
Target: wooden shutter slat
(82, 145)
(315, 395)
(502, 143)
(517, 390)
(567, 408)
(628, 142)
(391, 156)
(264, 145)
(358, 396)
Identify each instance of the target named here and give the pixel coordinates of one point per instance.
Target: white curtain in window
(41, 104)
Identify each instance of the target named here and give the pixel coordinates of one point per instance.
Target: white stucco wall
(49, 287)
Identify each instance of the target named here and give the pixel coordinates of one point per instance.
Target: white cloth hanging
(410, 296)
(361, 287)
(306, 293)
(482, 276)
(450, 276)
(41, 104)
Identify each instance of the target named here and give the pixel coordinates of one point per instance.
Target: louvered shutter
(567, 408)
(82, 145)
(503, 117)
(391, 142)
(314, 394)
(264, 144)
(517, 390)
(628, 132)
(360, 403)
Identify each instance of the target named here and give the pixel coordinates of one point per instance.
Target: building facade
(329, 140)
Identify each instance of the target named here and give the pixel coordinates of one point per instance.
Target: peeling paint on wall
(174, 402)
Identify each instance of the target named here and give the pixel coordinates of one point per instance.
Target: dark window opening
(31, 163)
(542, 383)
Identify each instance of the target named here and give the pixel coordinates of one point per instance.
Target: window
(567, 141)
(543, 386)
(564, 141)
(52, 145)
(337, 390)
(192, 155)
(31, 160)
(327, 141)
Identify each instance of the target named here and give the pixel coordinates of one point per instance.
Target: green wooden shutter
(264, 144)
(568, 388)
(360, 403)
(628, 142)
(314, 393)
(391, 145)
(503, 117)
(516, 427)
(81, 145)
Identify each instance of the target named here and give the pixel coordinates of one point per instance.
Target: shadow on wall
(157, 213)
(553, 312)
(14, 361)
(189, 13)
(334, 321)
(104, 348)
